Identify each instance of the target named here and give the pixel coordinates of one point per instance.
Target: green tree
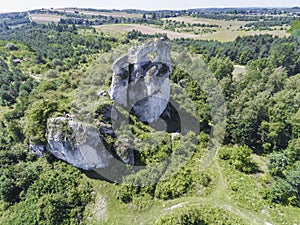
(277, 163)
(221, 67)
(51, 74)
(15, 179)
(287, 190)
(37, 116)
(284, 55)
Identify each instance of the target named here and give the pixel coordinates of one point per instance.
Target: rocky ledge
(82, 145)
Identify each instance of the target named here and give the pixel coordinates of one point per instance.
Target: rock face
(123, 150)
(141, 85)
(37, 149)
(77, 144)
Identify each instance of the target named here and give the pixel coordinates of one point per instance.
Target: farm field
(227, 35)
(221, 35)
(102, 13)
(45, 18)
(232, 25)
(227, 30)
(145, 29)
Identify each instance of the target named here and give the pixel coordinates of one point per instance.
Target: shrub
(239, 157)
(51, 73)
(201, 215)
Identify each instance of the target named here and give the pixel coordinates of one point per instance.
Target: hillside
(197, 124)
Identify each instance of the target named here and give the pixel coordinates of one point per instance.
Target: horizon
(167, 9)
(155, 5)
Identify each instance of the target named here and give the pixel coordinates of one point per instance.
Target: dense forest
(255, 175)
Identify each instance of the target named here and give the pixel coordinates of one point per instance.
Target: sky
(21, 5)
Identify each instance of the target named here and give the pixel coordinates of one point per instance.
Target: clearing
(45, 18)
(222, 35)
(238, 72)
(232, 25)
(228, 30)
(124, 28)
(102, 13)
(221, 197)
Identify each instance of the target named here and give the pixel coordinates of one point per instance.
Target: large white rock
(141, 85)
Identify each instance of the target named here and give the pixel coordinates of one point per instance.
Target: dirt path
(220, 199)
(36, 76)
(177, 206)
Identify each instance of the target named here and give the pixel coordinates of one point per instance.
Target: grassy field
(221, 34)
(246, 203)
(88, 12)
(145, 29)
(45, 18)
(48, 18)
(229, 35)
(228, 30)
(232, 25)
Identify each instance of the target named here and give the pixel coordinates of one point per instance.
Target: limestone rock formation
(76, 143)
(81, 145)
(141, 85)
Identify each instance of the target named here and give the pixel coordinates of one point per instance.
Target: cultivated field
(45, 18)
(145, 29)
(232, 25)
(228, 31)
(221, 34)
(227, 35)
(88, 12)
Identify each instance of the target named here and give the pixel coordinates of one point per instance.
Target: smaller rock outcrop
(38, 150)
(123, 149)
(76, 143)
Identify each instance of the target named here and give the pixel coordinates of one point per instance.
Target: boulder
(81, 144)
